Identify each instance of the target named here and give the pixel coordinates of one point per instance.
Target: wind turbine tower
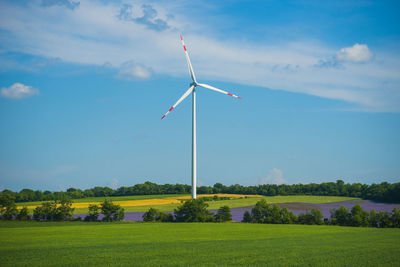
(192, 89)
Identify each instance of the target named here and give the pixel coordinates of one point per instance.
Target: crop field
(194, 244)
(170, 202)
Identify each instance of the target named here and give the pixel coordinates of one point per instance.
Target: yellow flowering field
(155, 201)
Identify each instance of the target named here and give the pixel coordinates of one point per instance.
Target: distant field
(119, 198)
(170, 202)
(188, 244)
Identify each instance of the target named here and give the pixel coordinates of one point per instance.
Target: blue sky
(83, 86)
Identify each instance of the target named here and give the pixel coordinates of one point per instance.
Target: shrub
(384, 219)
(154, 215)
(223, 214)
(111, 211)
(396, 217)
(46, 212)
(166, 217)
(373, 218)
(312, 217)
(23, 214)
(193, 210)
(359, 216)
(10, 211)
(150, 215)
(265, 213)
(340, 216)
(93, 215)
(49, 211)
(64, 210)
(247, 217)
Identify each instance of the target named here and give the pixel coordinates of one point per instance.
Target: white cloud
(357, 53)
(18, 91)
(275, 176)
(92, 34)
(131, 70)
(114, 183)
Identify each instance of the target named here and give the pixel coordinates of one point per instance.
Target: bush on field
(223, 214)
(93, 215)
(154, 215)
(54, 211)
(23, 214)
(266, 213)
(9, 212)
(247, 217)
(396, 217)
(193, 210)
(312, 217)
(8, 209)
(359, 217)
(111, 211)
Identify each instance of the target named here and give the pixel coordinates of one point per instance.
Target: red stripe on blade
(230, 94)
(240, 97)
(163, 117)
(170, 109)
(184, 47)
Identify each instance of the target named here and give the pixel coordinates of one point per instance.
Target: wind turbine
(192, 89)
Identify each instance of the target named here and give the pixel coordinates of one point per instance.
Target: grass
(170, 202)
(194, 244)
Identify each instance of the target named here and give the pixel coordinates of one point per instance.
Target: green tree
(23, 214)
(6, 199)
(359, 217)
(10, 211)
(265, 213)
(46, 212)
(93, 213)
(311, 217)
(111, 211)
(54, 211)
(341, 216)
(396, 217)
(154, 215)
(64, 210)
(373, 218)
(247, 217)
(260, 211)
(384, 220)
(193, 210)
(223, 214)
(165, 217)
(150, 215)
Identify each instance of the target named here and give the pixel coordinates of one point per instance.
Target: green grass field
(233, 203)
(194, 244)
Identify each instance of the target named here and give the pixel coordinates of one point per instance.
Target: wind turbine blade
(188, 61)
(179, 101)
(217, 90)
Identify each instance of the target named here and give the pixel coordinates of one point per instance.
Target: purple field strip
(296, 208)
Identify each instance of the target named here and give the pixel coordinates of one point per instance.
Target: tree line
(266, 213)
(192, 210)
(195, 210)
(384, 191)
(60, 210)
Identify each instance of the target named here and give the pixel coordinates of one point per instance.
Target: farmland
(167, 244)
(170, 202)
